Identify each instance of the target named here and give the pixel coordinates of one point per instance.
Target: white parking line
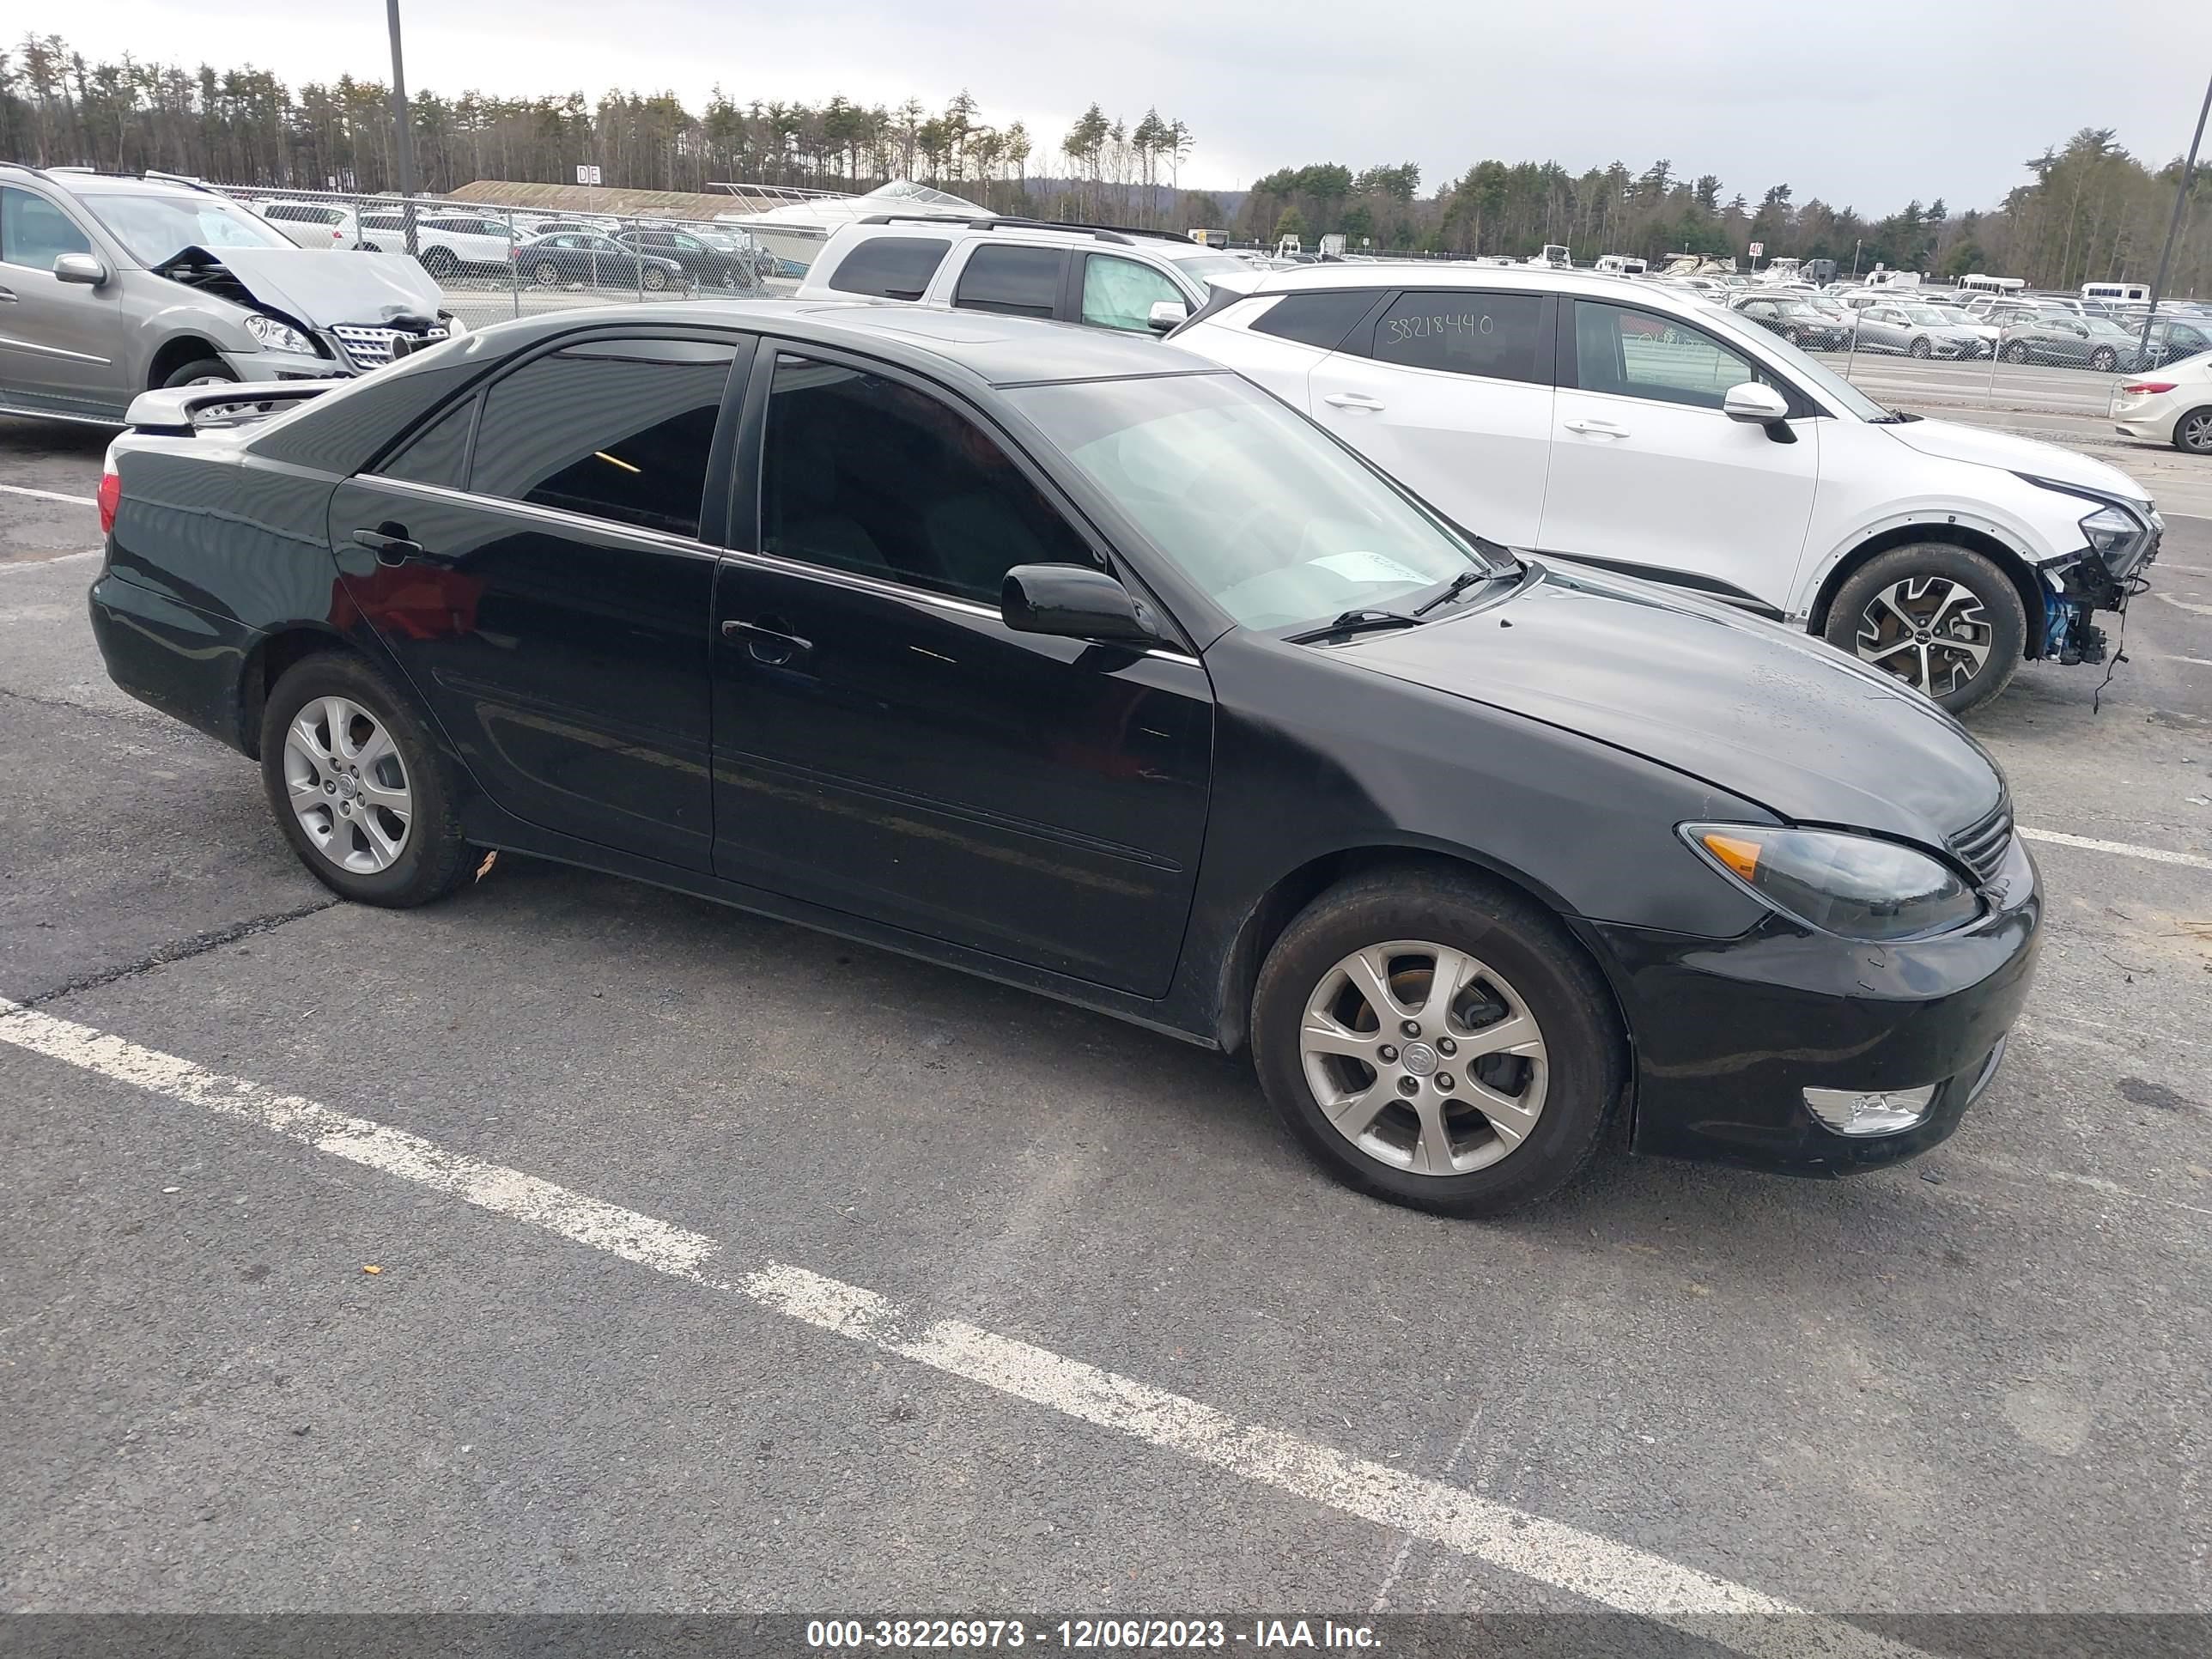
(1601, 1570)
(41, 564)
(48, 495)
(2127, 849)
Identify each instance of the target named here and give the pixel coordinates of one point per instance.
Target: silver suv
(112, 284)
(1106, 276)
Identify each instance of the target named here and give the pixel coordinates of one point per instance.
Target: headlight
(1852, 885)
(454, 327)
(279, 336)
(2110, 531)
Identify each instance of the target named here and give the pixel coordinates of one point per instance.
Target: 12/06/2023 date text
(1084, 1635)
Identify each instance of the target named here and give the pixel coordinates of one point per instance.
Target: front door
(885, 746)
(1450, 393)
(61, 343)
(549, 599)
(1649, 476)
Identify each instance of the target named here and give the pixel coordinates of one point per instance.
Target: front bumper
(287, 366)
(1729, 1033)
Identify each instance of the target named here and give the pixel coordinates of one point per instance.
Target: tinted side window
(863, 474)
(619, 430)
(1641, 354)
(34, 232)
(1315, 320)
(890, 267)
(1019, 282)
(439, 453)
(1463, 331)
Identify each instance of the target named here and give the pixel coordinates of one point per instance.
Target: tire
(1792, 336)
(1524, 965)
(654, 279)
(440, 261)
(2104, 360)
(201, 371)
(1920, 349)
(428, 855)
(2192, 433)
(2016, 352)
(1874, 614)
(546, 273)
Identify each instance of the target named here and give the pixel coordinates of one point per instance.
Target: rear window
(890, 267)
(1014, 281)
(1315, 320)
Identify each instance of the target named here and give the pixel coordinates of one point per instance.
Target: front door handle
(389, 546)
(1597, 429)
(1352, 400)
(768, 640)
(7, 296)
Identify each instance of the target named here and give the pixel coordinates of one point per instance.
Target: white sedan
(2172, 404)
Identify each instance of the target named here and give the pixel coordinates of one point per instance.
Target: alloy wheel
(1930, 632)
(1922, 349)
(1424, 1058)
(2103, 360)
(2015, 352)
(2195, 431)
(347, 786)
(547, 275)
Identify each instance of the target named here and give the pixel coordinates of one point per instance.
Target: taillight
(2147, 388)
(110, 496)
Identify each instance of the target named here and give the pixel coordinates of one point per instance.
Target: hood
(1770, 716)
(1947, 441)
(323, 288)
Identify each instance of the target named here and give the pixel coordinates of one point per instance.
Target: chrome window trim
(849, 578)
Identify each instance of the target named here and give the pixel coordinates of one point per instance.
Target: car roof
(110, 183)
(998, 351)
(1425, 273)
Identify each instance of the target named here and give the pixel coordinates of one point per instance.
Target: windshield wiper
(1457, 586)
(1356, 621)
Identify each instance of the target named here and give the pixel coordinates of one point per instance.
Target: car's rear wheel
(204, 371)
(545, 274)
(440, 261)
(1920, 347)
(1437, 1040)
(656, 278)
(357, 787)
(2193, 431)
(1942, 619)
(2104, 360)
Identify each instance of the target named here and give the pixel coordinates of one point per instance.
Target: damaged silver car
(113, 285)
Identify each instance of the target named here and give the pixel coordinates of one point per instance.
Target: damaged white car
(118, 283)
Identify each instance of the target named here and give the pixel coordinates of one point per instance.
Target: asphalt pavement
(574, 1244)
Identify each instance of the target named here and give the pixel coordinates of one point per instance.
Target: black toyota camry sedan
(1067, 659)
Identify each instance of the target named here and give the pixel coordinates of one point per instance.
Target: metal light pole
(1856, 246)
(2174, 226)
(402, 135)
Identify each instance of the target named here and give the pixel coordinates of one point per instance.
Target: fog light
(1870, 1111)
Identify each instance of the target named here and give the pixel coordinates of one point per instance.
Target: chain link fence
(495, 261)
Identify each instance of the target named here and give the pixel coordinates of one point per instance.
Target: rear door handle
(1352, 400)
(1597, 429)
(768, 643)
(388, 548)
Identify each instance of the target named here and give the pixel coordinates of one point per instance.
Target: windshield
(1953, 314)
(2106, 328)
(157, 228)
(1278, 523)
(1204, 267)
(1925, 315)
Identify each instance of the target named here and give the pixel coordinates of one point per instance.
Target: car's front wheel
(1437, 1040)
(357, 787)
(1921, 348)
(2193, 431)
(545, 274)
(656, 278)
(2016, 352)
(1939, 618)
(2104, 360)
(205, 371)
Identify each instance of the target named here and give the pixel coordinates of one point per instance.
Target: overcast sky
(1864, 105)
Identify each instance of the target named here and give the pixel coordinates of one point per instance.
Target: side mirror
(79, 268)
(1071, 602)
(1166, 314)
(1755, 405)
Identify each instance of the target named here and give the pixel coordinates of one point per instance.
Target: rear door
(1649, 475)
(1012, 279)
(533, 560)
(887, 747)
(1450, 391)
